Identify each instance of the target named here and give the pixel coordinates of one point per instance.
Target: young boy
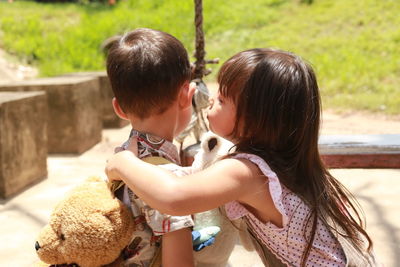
(149, 72)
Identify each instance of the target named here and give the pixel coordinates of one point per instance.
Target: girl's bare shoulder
(240, 168)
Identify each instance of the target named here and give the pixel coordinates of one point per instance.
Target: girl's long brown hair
(278, 118)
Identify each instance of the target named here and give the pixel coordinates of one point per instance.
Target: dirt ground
(11, 70)
(359, 123)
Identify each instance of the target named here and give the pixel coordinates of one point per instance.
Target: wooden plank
(361, 151)
(378, 161)
(347, 151)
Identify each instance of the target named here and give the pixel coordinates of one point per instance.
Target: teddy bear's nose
(37, 246)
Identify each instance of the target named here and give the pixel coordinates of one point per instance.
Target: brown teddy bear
(89, 228)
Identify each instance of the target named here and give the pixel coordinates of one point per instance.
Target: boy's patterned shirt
(150, 223)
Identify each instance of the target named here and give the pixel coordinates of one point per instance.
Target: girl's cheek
(210, 116)
(210, 110)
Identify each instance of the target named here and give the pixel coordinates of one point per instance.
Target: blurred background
(353, 45)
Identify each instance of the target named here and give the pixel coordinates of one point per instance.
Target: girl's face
(221, 116)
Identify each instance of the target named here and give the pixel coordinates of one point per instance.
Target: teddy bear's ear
(212, 142)
(209, 142)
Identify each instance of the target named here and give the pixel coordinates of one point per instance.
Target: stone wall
(23, 140)
(110, 120)
(74, 121)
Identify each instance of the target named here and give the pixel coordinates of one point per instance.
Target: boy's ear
(118, 110)
(186, 94)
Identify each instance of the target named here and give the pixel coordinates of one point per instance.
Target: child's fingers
(109, 170)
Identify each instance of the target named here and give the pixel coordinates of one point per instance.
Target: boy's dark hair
(146, 69)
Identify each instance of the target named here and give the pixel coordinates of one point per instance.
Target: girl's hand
(116, 161)
(111, 169)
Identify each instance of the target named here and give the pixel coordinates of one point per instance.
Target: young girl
(297, 214)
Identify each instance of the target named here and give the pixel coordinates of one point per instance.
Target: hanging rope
(197, 124)
(200, 64)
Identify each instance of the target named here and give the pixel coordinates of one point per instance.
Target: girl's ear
(118, 110)
(186, 94)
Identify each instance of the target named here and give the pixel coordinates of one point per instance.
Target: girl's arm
(177, 248)
(224, 181)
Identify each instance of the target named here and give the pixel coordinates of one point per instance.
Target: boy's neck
(161, 125)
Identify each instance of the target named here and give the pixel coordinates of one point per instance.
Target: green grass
(354, 45)
(60, 38)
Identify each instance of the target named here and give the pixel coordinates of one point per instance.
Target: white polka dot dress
(288, 243)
